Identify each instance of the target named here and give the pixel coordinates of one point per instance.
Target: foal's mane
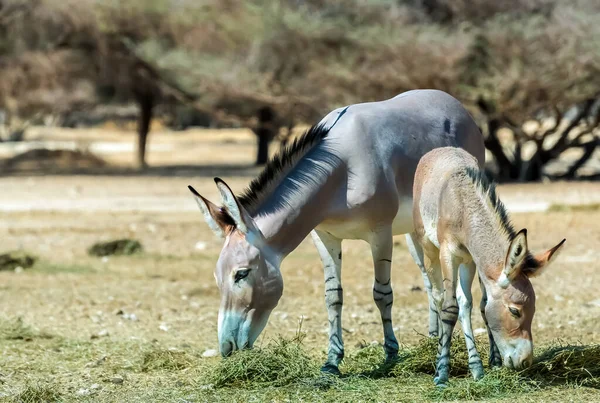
(279, 166)
(487, 189)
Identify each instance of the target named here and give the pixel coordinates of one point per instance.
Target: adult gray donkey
(348, 177)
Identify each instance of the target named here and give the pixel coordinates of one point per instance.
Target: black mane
(280, 165)
(489, 188)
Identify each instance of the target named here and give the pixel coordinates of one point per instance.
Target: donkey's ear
(243, 221)
(538, 264)
(517, 252)
(217, 218)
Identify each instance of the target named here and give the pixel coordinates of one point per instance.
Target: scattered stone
(164, 327)
(84, 392)
(130, 316)
(595, 302)
(12, 261)
(200, 245)
(95, 386)
(210, 353)
(96, 363)
(479, 330)
(101, 333)
(117, 247)
(117, 380)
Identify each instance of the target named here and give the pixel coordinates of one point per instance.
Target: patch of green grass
(166, 360)
(284, 362)
(52, 268)
(563, 364)
(15, 329)
(11, 260)
(496, 383)
(37, 394)
(574, 207)
(117, 247)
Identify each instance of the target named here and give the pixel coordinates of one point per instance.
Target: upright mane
(279, 166)
(487, 190)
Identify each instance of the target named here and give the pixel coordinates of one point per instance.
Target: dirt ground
(167, 296)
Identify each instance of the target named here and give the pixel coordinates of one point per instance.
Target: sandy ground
(171, 290)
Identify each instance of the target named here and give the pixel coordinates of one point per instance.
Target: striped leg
(330, 250)
(416, 252)
(495, 357)
(382, 245)
(465, 304)
(448, 313)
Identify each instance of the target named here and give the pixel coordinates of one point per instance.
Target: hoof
(440, 383)
(477, 375)
(330, 369)
(391, 358)
(495, 363)
(477, 371)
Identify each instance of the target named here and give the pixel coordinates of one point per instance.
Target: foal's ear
(217, 218)
(517, 252)
(243, 221)
(538, 264)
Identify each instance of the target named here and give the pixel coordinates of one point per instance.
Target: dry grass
(99, 353)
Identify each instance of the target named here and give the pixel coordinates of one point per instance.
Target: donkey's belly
(403, 222)
(361, 223)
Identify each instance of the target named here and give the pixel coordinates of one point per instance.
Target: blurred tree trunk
(146, 104)
(265, 131)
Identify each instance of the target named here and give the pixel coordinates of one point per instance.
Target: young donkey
(349, 177)
(461, 226)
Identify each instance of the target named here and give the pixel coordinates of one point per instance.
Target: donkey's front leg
(330, 250)
(465, 304)
(495, 357)
(382, 245)
(448, 313)
(416, 251)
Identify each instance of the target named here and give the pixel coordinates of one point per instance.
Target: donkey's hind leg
(448, 312)
(465, 304)
(330, 250)
(382, 244)
(416, 251)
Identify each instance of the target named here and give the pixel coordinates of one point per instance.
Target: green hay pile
(117, 247)
(15, 329)
(285, 364)
(567, 364)
(282, 363)
(497, 383)
(421, 359)
(166, 360)
(11, 260)
(37, 394)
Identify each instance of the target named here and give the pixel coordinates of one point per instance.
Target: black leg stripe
(382, 293)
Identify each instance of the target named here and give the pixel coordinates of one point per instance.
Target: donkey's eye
(515, 312)
(241, 274)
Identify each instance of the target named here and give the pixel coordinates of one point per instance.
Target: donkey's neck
(487, 241)
(301, 200)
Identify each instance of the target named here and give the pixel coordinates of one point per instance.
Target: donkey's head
(247, 272)
(510, 307)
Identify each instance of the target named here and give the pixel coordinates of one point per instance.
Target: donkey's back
(381, 144)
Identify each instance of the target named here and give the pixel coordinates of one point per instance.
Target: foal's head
(247, 272)
(511, 305)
